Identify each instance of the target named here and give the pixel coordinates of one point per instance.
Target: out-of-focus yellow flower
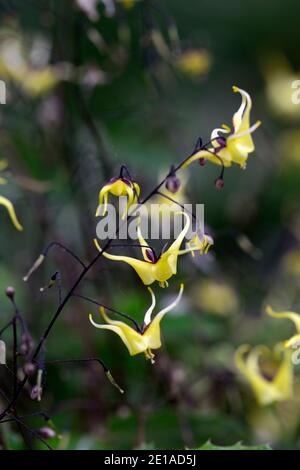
(15, 65)
(154, 268)
(201, 243)
(128, 4)
(295, 317)
(149, 336)
(265, 424)
(270, 424)
(118, 187)
(291, 263)
(194, 62)
(39, 82)
(235, 147)
(6, 202)
(218, 298)
(289, 146)
(269, 373)
(279, 77)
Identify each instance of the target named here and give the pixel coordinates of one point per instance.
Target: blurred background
(95, 84)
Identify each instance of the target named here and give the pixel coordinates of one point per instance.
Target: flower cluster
(221, 150)
(270, 373)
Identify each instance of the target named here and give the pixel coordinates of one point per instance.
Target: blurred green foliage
(64, 145)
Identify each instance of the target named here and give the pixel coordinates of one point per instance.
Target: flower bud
(26, 344)
(173, 182)
(29, 368)
(219, 183)
(46, 432)
(10, 292)
(36, 393)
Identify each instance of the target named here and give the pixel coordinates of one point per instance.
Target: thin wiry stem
(66, 249)
(6, 327)
(15, 355)
(124, 315)
(175, 202)
(72, 290)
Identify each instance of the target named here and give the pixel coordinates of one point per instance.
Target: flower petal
(152, 334)
(132, 339)
(295, 317)
(10, 208)
(142, 268)
(147, 317)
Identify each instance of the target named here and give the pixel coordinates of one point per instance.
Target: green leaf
(238, 446)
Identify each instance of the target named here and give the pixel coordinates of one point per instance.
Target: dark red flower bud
(29, 368)
(219, 183)
(26, 344)
(173, 183)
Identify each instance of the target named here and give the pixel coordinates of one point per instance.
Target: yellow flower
(279, 76)
(39, 82)
(269, 373)
(15, 65)
(118, 187)
(235, 147)
(194, 62)
(128, 4)
(149, 336)
(291, 262)
(295, 317)
(216, 297)
(201, 243)
(153, 269)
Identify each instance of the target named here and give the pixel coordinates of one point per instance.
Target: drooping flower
(269, 372)
(153, 268)
(118, 187)
(231, 145)
(200, 242)
(295, 317)
(148, 337)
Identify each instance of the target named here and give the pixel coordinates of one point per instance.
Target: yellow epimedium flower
(200, 242)
(118, 187)
(194, 62)
(269, 372)
(233, 145)
(148, 337)
(295, 317)
(153, 268)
